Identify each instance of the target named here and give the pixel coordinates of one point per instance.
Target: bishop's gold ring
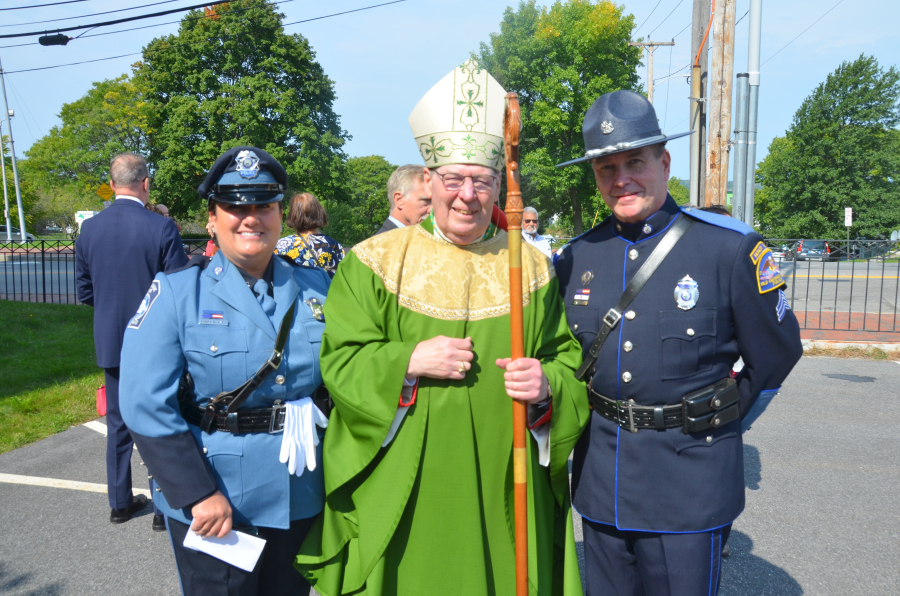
(462, 368)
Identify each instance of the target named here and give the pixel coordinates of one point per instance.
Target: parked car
(812, 250)
(16, 235)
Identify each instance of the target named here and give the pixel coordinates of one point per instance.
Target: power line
(83, 36)
(668, 84)
(42, 5)
(116, 22)
(682, 31)
(667, 17)
(648, 16)
(742, 18)
(95, 14)
(802, 32)
(196, 42)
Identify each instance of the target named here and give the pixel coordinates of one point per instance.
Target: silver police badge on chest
(686, 293)
(317, 308)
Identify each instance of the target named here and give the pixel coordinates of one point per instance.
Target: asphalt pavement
(822, 470)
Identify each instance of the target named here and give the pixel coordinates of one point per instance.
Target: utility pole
(651, 47)
(752, 108)
(721, 72)
(12, 150)
(699, 78)
(742, 95)
(5, 192)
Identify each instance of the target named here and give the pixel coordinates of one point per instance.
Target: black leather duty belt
(711, 407)
(255, 420)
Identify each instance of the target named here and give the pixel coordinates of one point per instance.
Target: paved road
(870, 287)
(822, 470)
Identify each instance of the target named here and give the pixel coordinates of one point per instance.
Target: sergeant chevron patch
(782, 307)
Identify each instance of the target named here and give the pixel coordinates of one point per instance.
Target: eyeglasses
(454, 182)
(530, 220)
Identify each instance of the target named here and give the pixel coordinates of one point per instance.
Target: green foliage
(366, 206)
(238, 79)
(40, 395)
(26, 189)
(842, 150)
(68, 164)
(559, 60)
(679, 191)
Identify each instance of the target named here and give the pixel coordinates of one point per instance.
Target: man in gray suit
(406, 193)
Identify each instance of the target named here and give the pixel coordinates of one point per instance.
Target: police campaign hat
(620, 121)
(244, 176)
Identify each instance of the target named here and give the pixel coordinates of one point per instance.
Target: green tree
(235, 78)
(842, 150)
(680, 193)
(68, 164)
(559, 60)
(365, 206)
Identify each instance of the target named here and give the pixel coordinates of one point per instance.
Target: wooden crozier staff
(512, 125)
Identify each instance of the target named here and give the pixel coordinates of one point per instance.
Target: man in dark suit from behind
(118, 253)
(406, 194)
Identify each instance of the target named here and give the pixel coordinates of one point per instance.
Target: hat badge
(247, 164)
(606, 127)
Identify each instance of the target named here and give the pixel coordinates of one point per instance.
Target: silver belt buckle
(273, 419)
(625, 406)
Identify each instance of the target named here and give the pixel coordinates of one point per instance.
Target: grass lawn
(49, 370)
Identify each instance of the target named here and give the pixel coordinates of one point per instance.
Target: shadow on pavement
(752, 467)
(745, 574)
(19, 584)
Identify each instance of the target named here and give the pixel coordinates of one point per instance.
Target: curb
(818, 343)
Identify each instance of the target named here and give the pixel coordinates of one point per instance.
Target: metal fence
(44, 271)
(852, 287)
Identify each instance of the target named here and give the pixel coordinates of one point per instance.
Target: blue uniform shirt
(714, 298)
(208, 322)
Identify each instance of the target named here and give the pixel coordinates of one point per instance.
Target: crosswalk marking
(56, 483)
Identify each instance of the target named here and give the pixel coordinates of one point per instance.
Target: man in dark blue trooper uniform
(237, 449)
(658, 474)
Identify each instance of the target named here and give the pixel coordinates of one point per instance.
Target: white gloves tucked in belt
(300, 438)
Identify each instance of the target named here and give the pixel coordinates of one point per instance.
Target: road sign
(105, 192)
(848, 216)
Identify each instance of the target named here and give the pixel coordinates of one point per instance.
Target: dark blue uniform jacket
(667, 481)
(117, 254)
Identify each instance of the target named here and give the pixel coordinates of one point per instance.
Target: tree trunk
(576, 212)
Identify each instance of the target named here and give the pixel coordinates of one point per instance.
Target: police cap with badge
(244, 176)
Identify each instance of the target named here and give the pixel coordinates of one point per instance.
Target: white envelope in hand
(236, 548)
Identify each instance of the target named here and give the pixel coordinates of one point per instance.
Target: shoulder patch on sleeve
(721, 221)
(768, 277)
(146, 303)
(757, 252)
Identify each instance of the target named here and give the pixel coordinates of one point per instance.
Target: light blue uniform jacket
(209, 322)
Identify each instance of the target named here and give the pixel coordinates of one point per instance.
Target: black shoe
(726, 551)
(159, 523)
(120, 516)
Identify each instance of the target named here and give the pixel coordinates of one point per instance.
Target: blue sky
(383, 60)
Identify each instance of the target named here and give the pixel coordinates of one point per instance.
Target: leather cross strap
(612, 317)
(236, 397)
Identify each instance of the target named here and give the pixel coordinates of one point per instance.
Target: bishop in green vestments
(418, 455)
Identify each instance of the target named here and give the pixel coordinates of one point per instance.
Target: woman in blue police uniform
(219, 320)
(658, 493)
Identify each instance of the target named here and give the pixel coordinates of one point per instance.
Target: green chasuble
(431, 512)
